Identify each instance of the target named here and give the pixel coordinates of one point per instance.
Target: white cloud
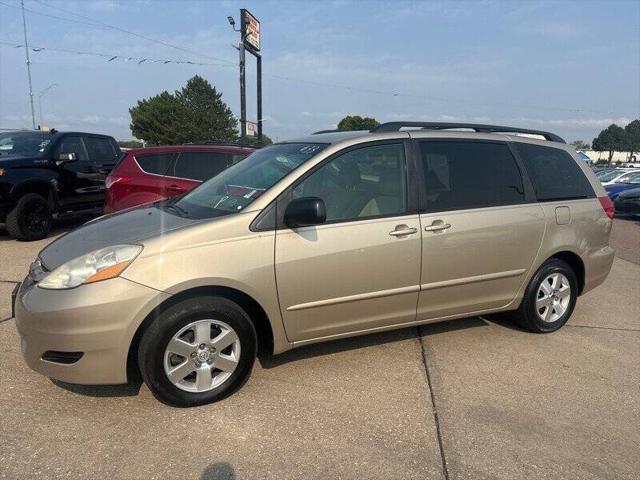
(92, 119)
(575, 122)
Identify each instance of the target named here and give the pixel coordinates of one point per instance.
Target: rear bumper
(628, 207)
(597, 267)
(97, 320)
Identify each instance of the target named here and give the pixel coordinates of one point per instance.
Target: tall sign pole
(250, 41)
(259, 95)
(26, 51)
(243, 92)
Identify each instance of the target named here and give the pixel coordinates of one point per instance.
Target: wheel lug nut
(202, 346)
(210, 361)
(193, 354)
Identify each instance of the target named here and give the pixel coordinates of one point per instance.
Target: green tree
(356, 122)
(254, 140)
(266, 140)
(632, 137)
(196, 112)
(609, 140)
(580, 145)
(130, 143)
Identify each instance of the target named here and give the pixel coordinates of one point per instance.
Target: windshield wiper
(181, 211)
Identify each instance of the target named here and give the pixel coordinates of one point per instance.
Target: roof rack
(325, 131)
(396, 126)
(226, 143)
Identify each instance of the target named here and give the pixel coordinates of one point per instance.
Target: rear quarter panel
(586, 234)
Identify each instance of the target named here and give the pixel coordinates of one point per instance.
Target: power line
(146, 60)
(113, 56)
(97, 23)
(439, 99)
(49, 16)
(135, 34)
(430, 98)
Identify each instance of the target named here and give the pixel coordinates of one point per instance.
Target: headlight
(95, 266)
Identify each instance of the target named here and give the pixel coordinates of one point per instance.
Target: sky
(571, 67)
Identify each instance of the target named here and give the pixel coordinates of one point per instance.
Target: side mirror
(65, 157)
(304, 212)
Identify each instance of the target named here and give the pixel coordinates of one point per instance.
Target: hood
(631, 193)
(21, 159)
(129, 227)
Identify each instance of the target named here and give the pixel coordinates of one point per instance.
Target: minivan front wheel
(549, 299)
(197, 351)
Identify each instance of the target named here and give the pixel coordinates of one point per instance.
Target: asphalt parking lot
(468, 399)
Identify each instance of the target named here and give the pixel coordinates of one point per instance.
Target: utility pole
(26, 51)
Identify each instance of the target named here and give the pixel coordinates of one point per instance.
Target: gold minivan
(328, 236)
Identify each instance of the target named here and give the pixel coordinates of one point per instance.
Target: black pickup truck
(45, 175)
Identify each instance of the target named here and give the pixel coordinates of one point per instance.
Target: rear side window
(202, 166)
(100, 150)
(466, 174)
(157, 163)
(554, 173)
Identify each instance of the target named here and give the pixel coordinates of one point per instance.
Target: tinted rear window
(554, 173)
(463, 174)
(202, 166)
(157, 163)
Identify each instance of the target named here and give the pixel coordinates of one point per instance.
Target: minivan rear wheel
(549, 299)
(197, 351)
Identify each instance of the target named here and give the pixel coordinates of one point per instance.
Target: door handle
(437, 226)
(403, 230)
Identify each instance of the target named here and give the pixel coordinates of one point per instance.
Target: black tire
(527, 316)
(154, 341)
(30, 219)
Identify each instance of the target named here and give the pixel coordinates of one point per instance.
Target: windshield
(238, 186)
(26, 144)
(628, 178)
(609, 175)
(633, 177)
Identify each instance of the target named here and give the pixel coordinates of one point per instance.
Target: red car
(147, 175)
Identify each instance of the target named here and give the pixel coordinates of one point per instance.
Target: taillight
(607, 206)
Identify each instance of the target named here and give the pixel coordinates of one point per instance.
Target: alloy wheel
(553, 297)
(202, 355)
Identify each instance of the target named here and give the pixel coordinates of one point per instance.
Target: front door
(480, 231)
(361, 269)
(82, 184)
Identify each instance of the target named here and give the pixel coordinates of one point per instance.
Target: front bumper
(99, 320)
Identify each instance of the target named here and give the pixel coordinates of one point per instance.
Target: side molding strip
(474, 279)
(355, 298)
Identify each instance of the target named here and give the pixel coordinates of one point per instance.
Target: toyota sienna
(329, 236)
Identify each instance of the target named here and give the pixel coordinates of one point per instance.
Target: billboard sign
(250, 28)
(250, 129)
